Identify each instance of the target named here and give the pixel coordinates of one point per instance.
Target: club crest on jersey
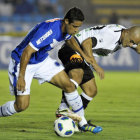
(42, 38)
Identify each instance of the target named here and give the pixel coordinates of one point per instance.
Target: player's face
(73, 28)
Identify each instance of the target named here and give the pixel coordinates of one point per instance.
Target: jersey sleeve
(83, 35)
(68, 37)
(80, 36)
(115, 27)
(41, 37)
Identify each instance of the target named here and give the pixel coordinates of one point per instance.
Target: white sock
(75, 83)
(7, 109)
(63, 106)
(83, 121)
(75, 101)
(86, 96)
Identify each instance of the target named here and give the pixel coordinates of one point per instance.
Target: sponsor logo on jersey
(46, 35)
(78, 34)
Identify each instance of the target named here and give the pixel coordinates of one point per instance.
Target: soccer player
(95, 41)
(30, 59)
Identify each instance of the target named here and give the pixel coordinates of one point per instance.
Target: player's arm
(74, 45)
(87, 48)
(26, 55)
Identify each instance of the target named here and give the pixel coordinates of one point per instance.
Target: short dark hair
(74, 14)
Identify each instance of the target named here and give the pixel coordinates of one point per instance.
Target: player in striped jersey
(95, 41)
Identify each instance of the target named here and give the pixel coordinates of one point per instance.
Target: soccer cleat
(91, 128)
(67, 112)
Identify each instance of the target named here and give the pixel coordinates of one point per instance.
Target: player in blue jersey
(30, 59)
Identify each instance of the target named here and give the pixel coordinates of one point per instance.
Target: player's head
(74, 14)
(73, 20)
(131, 37)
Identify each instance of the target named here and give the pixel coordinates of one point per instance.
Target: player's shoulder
(50, 24)
(115, 27)
(82, 32)
(53, 21)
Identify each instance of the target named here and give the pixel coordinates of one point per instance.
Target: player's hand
(20, 84)
(100, 72)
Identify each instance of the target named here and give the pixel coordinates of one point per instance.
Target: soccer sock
(64, 103)
(75, 83)
(7, 109)
(75, 101)
(85, 99)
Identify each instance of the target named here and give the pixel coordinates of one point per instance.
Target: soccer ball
(64, 126)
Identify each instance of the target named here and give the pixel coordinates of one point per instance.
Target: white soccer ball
(64, 126)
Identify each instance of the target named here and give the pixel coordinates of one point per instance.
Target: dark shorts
(65, 54)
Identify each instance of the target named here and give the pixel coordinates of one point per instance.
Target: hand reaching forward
(20, 84)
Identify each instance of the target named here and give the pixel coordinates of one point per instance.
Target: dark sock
(85, 102)
(63, 100)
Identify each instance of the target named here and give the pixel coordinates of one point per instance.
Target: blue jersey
(43, 37)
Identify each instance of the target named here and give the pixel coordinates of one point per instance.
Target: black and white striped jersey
(105, 38)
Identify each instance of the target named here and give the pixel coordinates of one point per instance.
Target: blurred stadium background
(17, 17)
(117, 106)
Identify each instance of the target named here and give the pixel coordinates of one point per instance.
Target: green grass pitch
(116, 108)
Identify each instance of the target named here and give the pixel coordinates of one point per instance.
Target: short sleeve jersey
(107, 38)
(43, 37)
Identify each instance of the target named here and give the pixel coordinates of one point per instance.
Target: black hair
(74, 14)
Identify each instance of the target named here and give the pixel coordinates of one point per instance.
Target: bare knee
(91, 92)
(69, 87)
(94, 93)
(22, 103)
(76, 74)
(21, 106)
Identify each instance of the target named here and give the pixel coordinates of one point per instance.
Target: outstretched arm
(87, 48)
(26, 55)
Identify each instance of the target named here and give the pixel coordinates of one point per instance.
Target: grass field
(116, 108)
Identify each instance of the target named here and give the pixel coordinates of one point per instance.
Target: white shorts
(43, 71)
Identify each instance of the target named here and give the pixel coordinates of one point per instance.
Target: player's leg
(73, 66)
(62, 81)
(76, 76)
(12, 107)
(88, 85)
(56, 75)
(85, 126)
(89, 91)
(72, 97)
(89, 88)
(21, 101)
